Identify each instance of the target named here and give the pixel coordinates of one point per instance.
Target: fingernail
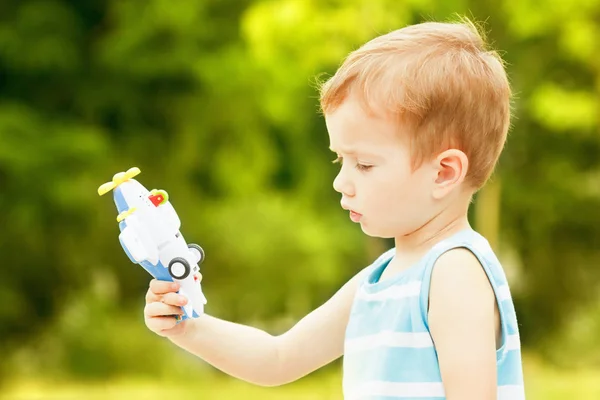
(182, 300)
(174, 286)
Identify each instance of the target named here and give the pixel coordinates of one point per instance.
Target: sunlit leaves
(560, 109)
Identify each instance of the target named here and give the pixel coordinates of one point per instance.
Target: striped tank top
(388, 350)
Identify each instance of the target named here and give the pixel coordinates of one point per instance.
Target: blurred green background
(215, 101)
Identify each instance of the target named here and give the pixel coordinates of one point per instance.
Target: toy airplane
(150, 237)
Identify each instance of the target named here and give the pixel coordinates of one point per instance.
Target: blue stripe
(120, 200)
(393, 315)
(508, 314)
(510, 373)
(394, 364)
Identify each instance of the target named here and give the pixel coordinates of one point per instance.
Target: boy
(418, 118)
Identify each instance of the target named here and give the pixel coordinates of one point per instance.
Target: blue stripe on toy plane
(120, 200)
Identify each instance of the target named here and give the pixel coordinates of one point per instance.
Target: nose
(342, 184)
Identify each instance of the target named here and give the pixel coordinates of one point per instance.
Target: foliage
(543, 383)
(215, 101)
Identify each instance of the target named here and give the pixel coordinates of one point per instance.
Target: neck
(411, 247)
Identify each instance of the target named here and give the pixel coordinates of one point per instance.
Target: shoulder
(458, 259)
(459, 284)
(460, 269)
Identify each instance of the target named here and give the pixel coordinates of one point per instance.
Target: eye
(363, 167)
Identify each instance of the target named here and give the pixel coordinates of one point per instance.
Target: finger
(152, 297)
(161, 310)
(158, 324)
(174, 299)
(162, 287)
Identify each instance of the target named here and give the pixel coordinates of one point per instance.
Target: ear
(451, 168)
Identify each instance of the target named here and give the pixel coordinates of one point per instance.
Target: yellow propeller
(119, 178)
(125, 214)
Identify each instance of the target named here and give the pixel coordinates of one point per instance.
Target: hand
(163, 306)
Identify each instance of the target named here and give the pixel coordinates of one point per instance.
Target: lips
(354, 216)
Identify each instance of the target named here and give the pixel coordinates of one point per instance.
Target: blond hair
(439, 80)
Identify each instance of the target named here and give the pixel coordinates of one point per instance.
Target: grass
(542, 382)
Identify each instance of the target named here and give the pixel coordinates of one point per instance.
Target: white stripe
(511, 392)
(397, 389)
(422, 389)
(503, 293)
(408, 339)
(389, 339)
(410, 289)
(513, 342)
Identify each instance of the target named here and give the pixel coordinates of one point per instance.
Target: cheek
(402, 196)
(385, 198)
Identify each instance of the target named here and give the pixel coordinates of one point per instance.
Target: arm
(253, 355)
(463, 318)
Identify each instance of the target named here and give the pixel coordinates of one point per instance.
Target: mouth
(354, 216)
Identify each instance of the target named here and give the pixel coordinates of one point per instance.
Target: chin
(378, 233)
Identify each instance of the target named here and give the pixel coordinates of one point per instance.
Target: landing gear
(179, 268)
(197, 251)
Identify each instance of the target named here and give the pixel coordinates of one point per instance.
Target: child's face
(376, 180)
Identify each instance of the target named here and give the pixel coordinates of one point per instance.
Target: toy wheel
(197, 251)
(179, 268)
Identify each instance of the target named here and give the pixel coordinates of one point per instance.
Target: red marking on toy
(156, 199)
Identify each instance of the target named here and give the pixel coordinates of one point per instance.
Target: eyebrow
(354, 152)
(347, 151)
